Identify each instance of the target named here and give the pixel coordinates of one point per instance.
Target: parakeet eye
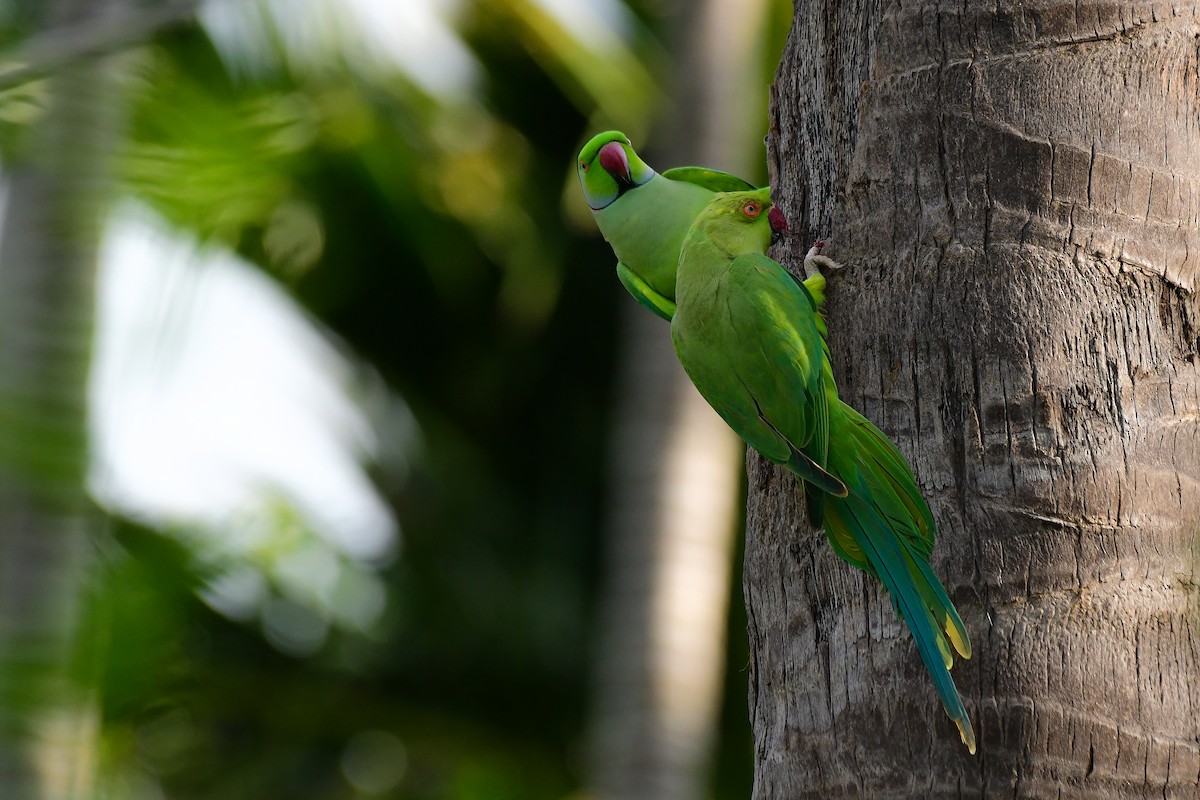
(752, 209)
(583, 165)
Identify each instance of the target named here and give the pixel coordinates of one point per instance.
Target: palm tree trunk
(48, 245)
(1016, 190)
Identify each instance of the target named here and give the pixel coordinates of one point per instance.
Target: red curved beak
(615, 162)
(778, 223)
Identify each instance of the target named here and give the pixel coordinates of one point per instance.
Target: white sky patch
(214, 397)
(372, 36)
(595, 24)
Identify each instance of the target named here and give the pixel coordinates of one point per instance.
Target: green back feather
(710, 179)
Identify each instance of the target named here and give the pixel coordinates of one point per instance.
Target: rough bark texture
(1016, 188)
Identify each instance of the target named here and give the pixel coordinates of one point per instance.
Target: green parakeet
(752, 339)
(644, 215)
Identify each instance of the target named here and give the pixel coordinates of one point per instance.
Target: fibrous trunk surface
(1016, 190)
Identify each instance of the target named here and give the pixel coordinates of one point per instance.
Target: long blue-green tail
(884, 527)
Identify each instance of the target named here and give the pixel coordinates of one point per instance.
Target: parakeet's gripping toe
(814, 261)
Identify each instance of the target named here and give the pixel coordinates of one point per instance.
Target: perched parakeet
(644, 215)
(752, 339)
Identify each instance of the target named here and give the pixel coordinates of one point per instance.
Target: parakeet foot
(814, 261)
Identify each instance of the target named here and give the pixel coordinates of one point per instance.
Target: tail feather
(890, 505)
(814, 502)
(938, 602)
(889, 481)
(890, 465)
(884, 527)
(894, 567)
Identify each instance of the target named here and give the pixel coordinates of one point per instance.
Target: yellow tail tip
(957, 638)
(967, 733)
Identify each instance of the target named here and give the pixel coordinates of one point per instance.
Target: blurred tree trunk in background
(48, 249)
(659, 669)
(1016, 190)
(676, 475)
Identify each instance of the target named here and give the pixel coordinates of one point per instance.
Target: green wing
(814, 287)
(769, 382)
(645, 294)
(776, 316)
(710, 179)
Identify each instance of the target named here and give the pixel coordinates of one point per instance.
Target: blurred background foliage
(359, 218)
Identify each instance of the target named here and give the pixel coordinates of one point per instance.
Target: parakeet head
(608, 168)
(741, 222)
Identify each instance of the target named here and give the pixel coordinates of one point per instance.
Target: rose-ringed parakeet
(644, 215)
(752, 339)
